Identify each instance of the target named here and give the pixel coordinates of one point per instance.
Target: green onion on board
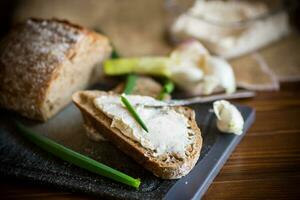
(168, 88)
(133, 112)
(76, 158)
(130, 83)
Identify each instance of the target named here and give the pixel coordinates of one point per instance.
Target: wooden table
(266, 164)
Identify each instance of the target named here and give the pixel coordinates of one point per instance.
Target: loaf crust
(38, 62)
(98, 121)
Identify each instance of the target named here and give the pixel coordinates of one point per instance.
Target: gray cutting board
(21, 159)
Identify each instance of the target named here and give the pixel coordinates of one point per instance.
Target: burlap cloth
(138, 27)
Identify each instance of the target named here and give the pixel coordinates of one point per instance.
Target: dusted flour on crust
(31, 57)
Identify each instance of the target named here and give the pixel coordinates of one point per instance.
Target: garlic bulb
(229, 119)
(190, 66)
(193, 67)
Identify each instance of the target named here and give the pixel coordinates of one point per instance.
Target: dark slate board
(21, 159)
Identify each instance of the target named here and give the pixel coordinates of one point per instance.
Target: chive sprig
(133, 112)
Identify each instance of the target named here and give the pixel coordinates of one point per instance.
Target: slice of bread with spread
(43, 62)
(169, 150)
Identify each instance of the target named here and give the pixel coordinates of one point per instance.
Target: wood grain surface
(265, 165)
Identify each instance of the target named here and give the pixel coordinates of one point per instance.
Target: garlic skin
(229, 119)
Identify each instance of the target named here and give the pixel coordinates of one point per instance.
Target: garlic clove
(229, 119)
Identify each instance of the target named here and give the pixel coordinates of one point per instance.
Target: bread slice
(43, 62)
(145, 86)
(166, 166)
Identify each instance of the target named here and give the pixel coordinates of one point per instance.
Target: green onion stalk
(157, 66)
(76, 158)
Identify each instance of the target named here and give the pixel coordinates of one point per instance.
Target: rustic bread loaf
(43, 62)
(166, 166)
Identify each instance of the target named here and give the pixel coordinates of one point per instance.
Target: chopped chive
(130, 83)
(167, 89)
(133, 112)
(76, 158)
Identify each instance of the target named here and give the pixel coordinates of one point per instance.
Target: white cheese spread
(168, 129)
